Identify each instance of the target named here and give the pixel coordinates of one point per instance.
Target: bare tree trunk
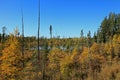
(22, 39)
(38, 28)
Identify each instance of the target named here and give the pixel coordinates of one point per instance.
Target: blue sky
(67, 17)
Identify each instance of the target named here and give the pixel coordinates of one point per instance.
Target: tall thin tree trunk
(22, 39)
(38, 28)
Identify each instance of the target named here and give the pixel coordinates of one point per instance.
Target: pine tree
(50, 31)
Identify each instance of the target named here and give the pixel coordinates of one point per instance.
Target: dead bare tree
(38, 28)
(22, 39)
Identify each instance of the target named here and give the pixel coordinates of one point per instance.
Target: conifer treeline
(108, 28)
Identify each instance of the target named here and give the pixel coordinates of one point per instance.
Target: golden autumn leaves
(11, 58)
(76, 63)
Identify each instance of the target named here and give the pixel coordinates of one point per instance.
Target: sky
(67, 17)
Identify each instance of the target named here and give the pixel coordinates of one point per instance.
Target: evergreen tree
(3, 34)
(50, 31)
(0, 37)
(81, 34)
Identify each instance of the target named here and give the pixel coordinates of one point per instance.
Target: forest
(84, 58)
